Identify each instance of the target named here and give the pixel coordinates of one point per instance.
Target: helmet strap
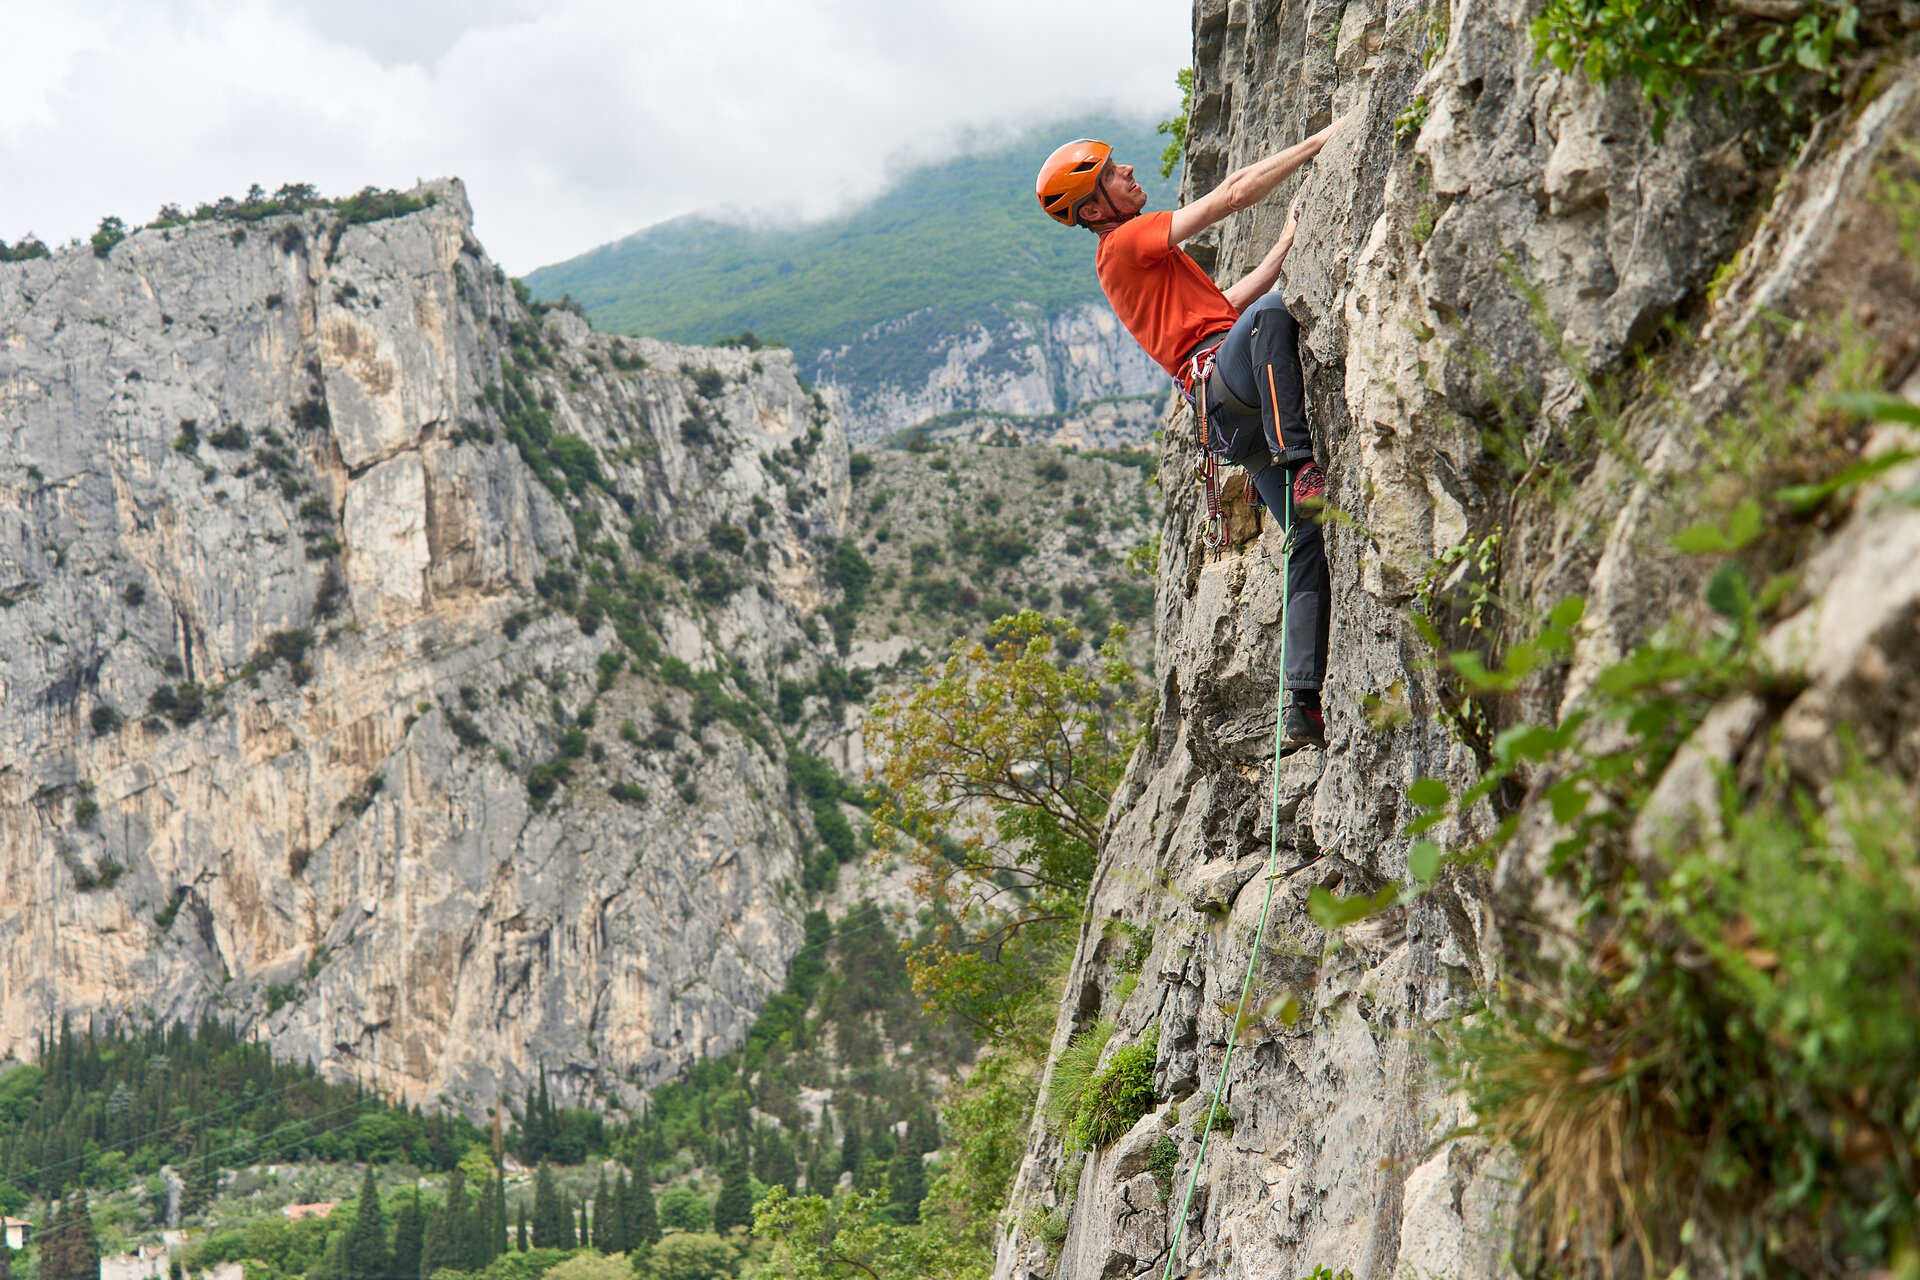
(1100, 189)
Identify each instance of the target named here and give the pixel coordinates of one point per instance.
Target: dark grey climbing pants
(1257, 408)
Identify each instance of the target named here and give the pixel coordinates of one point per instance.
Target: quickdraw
(1206, 468)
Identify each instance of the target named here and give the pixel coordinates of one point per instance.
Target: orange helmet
(1070, 177)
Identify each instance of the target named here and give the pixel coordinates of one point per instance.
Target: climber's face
(1120, 198)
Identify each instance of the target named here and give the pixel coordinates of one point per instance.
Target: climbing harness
(1206, 469)
(1273, 858)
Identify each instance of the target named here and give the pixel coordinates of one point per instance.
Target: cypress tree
(734, 1207)
(497, 1245)
(547, 1212)
(82, 1247)
(460, 1221)
(643, 1223)
(203, 1181)
(408, 1227)
(6, 1258)
(617, 1220)
(602, 1238)
(364, 1254)
(448, 1237)
(907, 1185)
(480, 1228)
(923, 1134)
(520, 1233)
(773, 1160)
(852, 1152)
(51, 1237)
(537, 1130)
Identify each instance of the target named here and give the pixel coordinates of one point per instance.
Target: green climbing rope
(1273, 856)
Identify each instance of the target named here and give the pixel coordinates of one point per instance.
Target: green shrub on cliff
(112, 231)
(1117, 1095)
(21, 250)
(1674, 49)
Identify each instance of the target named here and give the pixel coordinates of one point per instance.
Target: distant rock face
(1016, 361)
(275, 673)
(1407, 284)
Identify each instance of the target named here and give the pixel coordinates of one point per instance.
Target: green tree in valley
(693, 1255)
(449, 1237)
(685, 1209)
(549, 1216)
(853, 1156)
(602, 1219)
(334, 1265)
(203, 1177)
(480, 1228)
(850, 1238)
(997, 772)
(619, 1212)
(987, 1113)
(497, 1221)
(364, 1255)
(907, 1174)
(68, 1248)
(643, 1222)
(408, 1228)
(773, 1160)
(734, 1207)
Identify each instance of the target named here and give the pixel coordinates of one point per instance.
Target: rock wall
(1016, 361)
(1436, 262)
(224, 433)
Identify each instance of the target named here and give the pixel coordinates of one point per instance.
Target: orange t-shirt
(1163, 297)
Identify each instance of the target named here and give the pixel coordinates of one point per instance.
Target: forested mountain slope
(942, 294)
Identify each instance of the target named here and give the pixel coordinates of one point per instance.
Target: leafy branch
(996, 772)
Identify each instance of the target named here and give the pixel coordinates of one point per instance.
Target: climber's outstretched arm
(1246, 187)
(1260, 280)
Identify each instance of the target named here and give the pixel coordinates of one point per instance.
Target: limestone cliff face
(1411, 280)
(921, 366)
(223, 435)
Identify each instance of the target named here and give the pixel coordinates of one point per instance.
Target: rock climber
(1239, 348)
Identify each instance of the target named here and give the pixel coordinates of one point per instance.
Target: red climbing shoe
(1302, 726)
(1309, 483)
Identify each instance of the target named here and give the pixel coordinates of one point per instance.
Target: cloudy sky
(573, 122)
